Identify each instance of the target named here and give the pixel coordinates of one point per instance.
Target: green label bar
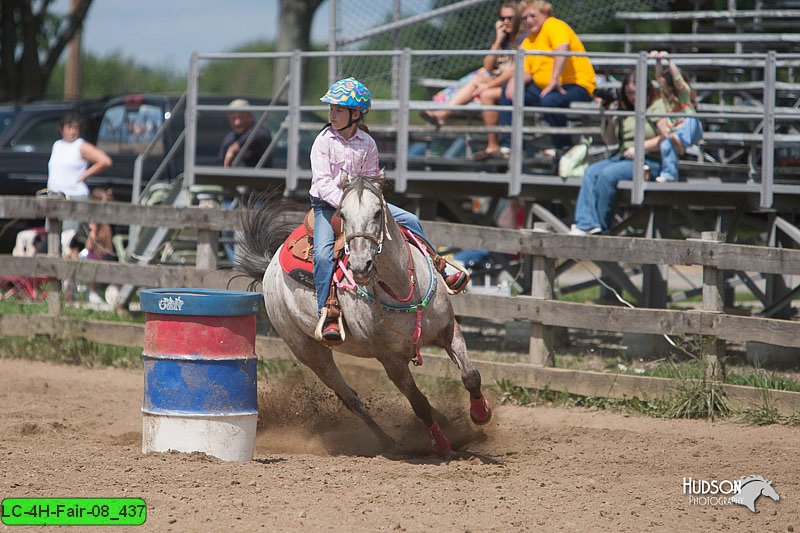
(73, 511)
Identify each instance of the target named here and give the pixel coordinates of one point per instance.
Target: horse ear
(381, 178)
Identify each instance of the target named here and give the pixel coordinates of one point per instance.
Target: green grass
(698, 399)
(70, 350)
(514, 394)
(21, 307)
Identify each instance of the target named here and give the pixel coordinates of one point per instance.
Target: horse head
(364, 218)
(768, 491)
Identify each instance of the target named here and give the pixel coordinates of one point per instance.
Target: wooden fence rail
(540, 308)
(584, 383)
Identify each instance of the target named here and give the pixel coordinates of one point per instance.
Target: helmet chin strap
(349, 123)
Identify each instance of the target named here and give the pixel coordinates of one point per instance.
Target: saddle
(301, 243)
(297, 255)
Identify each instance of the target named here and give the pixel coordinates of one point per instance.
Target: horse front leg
(398, 371)
(320, 360)
(479, 409)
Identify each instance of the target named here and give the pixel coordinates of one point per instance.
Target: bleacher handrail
(707, 15)
(402, 106)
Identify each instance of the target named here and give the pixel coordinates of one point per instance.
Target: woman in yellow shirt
(551, 81)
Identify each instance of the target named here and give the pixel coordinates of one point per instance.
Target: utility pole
(72, 74)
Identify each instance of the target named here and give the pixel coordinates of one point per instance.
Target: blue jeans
(689, 132)
(595, 205)
(574, 93)
(324, 243)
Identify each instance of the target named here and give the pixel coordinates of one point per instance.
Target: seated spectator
(484, 84)
(242, 128)
(241, 123)
(97, 242)
(679, 133)
(594, 209)
(550, 81)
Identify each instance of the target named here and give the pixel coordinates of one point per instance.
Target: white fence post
(542, 282)
(713, 287)
(54, 250)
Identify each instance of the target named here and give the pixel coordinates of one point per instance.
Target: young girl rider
(344, 145)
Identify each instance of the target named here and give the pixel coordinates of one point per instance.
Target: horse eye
(377, 215)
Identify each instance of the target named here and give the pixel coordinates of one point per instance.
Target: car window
(129, 129)
(6, 118)
(38, 137)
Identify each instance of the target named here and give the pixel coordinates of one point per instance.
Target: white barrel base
(230, 438)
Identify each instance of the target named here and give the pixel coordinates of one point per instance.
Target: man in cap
(241, 122)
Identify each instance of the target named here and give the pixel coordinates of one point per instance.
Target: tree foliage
(116, 74)
(32, 39)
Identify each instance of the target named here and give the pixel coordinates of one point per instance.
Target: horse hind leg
(398, 372)
(320, 360)
(479, 409)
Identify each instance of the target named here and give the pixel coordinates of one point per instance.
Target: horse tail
(267, 221)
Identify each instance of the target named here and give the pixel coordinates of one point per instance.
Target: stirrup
(323, 319)
(457, 282)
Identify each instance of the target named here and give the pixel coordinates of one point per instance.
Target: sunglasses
(506, 18)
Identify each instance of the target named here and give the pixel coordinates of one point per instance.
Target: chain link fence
(446, 25)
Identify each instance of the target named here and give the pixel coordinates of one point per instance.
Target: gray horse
(399, 304)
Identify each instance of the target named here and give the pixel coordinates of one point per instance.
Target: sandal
(430, 119)
(486, 156)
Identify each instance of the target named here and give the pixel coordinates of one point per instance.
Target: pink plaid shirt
(331, 154)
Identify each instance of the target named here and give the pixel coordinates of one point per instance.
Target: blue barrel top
(201, 302)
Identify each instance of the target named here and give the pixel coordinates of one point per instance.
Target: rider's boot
(456, 282)
(331, 331)
(332, 327)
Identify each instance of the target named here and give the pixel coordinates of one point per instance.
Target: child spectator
(679, 132)
(98, 245)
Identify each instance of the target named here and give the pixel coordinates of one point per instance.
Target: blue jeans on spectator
(324, 243)
(598, 192)
(574, 93)
(689, 132)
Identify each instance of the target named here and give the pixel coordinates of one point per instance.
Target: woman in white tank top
(73, 160)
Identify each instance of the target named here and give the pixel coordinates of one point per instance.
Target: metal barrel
(200, 387)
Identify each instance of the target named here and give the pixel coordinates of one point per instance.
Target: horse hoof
(479, 410)
(439, 442)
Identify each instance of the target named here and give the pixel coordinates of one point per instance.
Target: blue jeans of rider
(573, 93)
(689, 132)
(595, 205)
(324, 243)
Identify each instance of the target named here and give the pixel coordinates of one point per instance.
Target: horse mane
(748, 479)
(359, 184)
(267, 220)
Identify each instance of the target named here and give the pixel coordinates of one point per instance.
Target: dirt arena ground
(76, 432)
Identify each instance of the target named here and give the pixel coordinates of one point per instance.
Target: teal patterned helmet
(351, 93)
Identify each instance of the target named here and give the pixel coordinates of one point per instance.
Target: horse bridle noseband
(379, 240)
